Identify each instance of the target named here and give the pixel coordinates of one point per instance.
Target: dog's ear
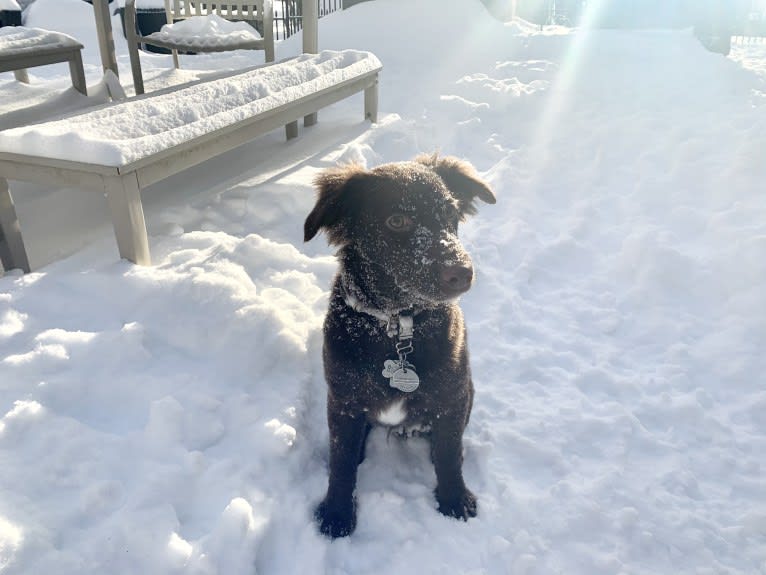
(461, 180)
(332, 185)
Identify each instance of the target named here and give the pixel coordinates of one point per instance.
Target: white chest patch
(394, 414)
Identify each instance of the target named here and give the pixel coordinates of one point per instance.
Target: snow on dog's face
(397, 227)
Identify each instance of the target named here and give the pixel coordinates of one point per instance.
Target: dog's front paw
(461, 507)
(334, 520)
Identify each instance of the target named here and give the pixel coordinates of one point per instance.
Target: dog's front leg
(337, 513)
(453, 497)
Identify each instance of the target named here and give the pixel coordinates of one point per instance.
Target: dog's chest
(393, 414)
(400, 421)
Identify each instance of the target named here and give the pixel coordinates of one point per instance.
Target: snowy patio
(170, 419)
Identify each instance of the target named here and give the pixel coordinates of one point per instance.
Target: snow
(206, 32)
(9, 5)
(170, 419)
(136, 129)
(21, 40)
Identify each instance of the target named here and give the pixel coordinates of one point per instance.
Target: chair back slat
(229, 9)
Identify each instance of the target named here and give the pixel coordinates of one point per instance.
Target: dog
(395, 350)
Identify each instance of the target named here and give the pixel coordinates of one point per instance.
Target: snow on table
(125, 132)
(18, 41)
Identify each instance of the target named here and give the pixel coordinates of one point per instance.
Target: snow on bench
(122, 147)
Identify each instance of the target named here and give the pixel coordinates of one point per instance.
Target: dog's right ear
(331, 185)
(461, 179)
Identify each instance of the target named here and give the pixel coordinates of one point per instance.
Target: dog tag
(402, 375)
(389, 367)
(405, 379)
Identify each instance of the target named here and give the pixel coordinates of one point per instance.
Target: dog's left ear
(461, 180)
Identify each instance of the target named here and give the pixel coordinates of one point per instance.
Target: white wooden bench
(122, 147)
(22, 48)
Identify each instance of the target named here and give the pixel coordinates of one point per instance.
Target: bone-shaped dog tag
(389, 367)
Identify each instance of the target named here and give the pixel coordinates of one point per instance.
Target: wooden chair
(251, 11)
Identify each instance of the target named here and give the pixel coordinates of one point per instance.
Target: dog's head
(397, 227)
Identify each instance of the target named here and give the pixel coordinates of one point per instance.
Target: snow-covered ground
(170, 419)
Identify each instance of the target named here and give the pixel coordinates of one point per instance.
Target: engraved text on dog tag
(405, 379)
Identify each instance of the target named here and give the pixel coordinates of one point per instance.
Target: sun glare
(10, 539)
(570, 62)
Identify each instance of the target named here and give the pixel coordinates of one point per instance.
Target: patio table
(22, 48)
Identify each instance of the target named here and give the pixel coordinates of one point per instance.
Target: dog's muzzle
(456, 279)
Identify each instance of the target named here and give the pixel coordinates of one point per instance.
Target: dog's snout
(457, 278)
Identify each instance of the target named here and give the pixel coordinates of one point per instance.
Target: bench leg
(124, 197)
(21, 75)
(291, 130)
(12, 251)
(310, 120)
(77, 73)
(371, 103)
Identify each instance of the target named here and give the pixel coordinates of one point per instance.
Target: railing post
(310, 26)
(310, 40)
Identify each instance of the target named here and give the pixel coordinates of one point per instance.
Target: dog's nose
(457, 278)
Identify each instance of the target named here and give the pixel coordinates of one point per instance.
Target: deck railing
(288, 15)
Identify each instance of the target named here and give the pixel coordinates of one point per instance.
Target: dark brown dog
(395, 348)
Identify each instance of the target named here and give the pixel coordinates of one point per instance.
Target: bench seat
(122, 147)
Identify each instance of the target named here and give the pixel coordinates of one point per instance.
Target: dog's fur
(396, 227)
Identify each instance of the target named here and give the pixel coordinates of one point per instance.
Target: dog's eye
(399, 223)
